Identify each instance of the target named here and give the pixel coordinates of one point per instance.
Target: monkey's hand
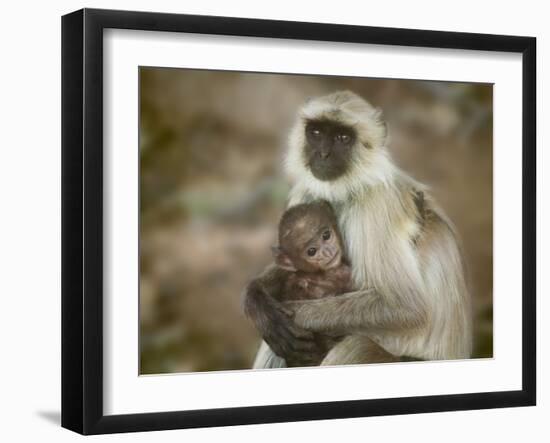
(358, 311)
(322, 315)
(275, 324)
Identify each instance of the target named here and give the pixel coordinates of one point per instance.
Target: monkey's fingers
(286, 325)
(285, 342)
(301, 347)
(291, 336)
(300, 333)
(302, 340)
(284, 346)
(285, 310)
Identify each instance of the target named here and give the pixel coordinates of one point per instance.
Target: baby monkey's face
(323, 251)
(315, 246)
(309, 239)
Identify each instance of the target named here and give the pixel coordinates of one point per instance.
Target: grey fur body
(411, 298)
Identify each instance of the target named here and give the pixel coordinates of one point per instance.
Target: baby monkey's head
(309, 239)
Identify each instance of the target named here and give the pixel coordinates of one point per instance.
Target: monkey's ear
(386, 131)
(385, 128)
(282, 259)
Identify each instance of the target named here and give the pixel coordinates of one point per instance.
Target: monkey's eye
(311, 252)
(343, 138)
(315, 132)
(326, 235)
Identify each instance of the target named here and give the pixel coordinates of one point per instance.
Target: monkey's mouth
(334, 261)
(325, 169)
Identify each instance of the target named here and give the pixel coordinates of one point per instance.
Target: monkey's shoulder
(270, 281)
(429, 217)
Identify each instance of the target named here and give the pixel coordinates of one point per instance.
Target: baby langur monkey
(309, 264)
(310, 249)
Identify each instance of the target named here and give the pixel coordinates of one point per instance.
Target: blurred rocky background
(212, 190)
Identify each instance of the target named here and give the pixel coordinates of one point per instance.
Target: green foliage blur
(212, 191)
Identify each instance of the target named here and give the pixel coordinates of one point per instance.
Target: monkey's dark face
(328, 148)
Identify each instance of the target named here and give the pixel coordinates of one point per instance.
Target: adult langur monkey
(411, 298)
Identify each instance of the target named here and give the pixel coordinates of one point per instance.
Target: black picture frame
(82, 220)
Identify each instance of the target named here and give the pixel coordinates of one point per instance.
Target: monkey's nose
(324, 153)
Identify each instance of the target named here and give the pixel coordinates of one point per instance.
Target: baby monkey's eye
(326, 235)
(311, 252)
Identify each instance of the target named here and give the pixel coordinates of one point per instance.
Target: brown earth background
(212, 191)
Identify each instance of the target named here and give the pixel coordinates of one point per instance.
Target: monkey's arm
(396, 300)
(356, 311)
(274, 322)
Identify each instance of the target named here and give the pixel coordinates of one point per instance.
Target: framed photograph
(269, 221)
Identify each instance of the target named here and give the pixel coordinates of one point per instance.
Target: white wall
(30, 218)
